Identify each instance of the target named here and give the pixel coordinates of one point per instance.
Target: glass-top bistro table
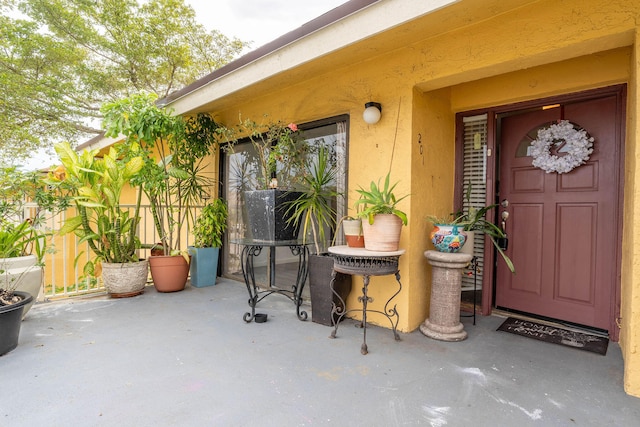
(252, 248)
(365, 263)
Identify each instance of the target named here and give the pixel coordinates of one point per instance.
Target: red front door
(562, 228)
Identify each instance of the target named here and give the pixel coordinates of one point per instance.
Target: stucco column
(446, 285)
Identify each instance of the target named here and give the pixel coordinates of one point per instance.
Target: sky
(255, 21)
(258, 21)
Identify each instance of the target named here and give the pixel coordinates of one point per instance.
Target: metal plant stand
(446, 286)
(473, 266)
(253, 248)
(361, 262)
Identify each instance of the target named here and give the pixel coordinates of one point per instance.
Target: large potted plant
(172, 148)
(278, 158)
(21, 260)
(24, 200)
(382, 221)
(207, 233)
(110, 230)
(313, 210)
(17, 271)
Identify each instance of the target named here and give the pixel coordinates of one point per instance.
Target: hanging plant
(576, 146)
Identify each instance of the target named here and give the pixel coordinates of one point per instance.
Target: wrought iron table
(251, 249)
(361, 262)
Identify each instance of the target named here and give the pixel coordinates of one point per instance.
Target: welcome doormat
(555, 335)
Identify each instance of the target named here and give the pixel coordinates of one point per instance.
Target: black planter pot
(10, 320)
(266, 211)
(322, 299)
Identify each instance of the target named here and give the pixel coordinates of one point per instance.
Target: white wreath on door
(577, 147)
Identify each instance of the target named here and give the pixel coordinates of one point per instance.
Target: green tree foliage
(61, 59)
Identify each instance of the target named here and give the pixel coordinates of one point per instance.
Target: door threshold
(505, 312)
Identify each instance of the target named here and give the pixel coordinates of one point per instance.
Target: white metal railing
(66, 257)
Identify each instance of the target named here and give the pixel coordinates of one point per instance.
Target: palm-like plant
(313, 207)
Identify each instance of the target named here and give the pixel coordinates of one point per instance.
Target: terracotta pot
(353, 233)
(448, 238)
(169, 273)
(384, 234)
(124, 280)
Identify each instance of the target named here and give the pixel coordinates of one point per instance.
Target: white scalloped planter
(124, 280)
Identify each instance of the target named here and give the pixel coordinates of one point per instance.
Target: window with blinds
(475, 184)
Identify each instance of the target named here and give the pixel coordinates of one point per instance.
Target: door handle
(503, 242)
(504, 215)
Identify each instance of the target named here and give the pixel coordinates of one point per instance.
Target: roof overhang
(341, 27)
(344, 26)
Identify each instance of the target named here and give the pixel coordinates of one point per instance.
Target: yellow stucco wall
(630, 280)
(466, 56)
(432, 182)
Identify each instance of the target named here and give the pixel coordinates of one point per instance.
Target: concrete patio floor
(188, 359)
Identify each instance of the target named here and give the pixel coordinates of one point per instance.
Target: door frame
(489, 276)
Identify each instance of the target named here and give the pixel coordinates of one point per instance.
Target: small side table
(253, 248)
(361, 262)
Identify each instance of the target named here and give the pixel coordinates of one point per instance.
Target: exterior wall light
(372, 112)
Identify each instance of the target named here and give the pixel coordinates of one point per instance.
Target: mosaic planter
(448, 238)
